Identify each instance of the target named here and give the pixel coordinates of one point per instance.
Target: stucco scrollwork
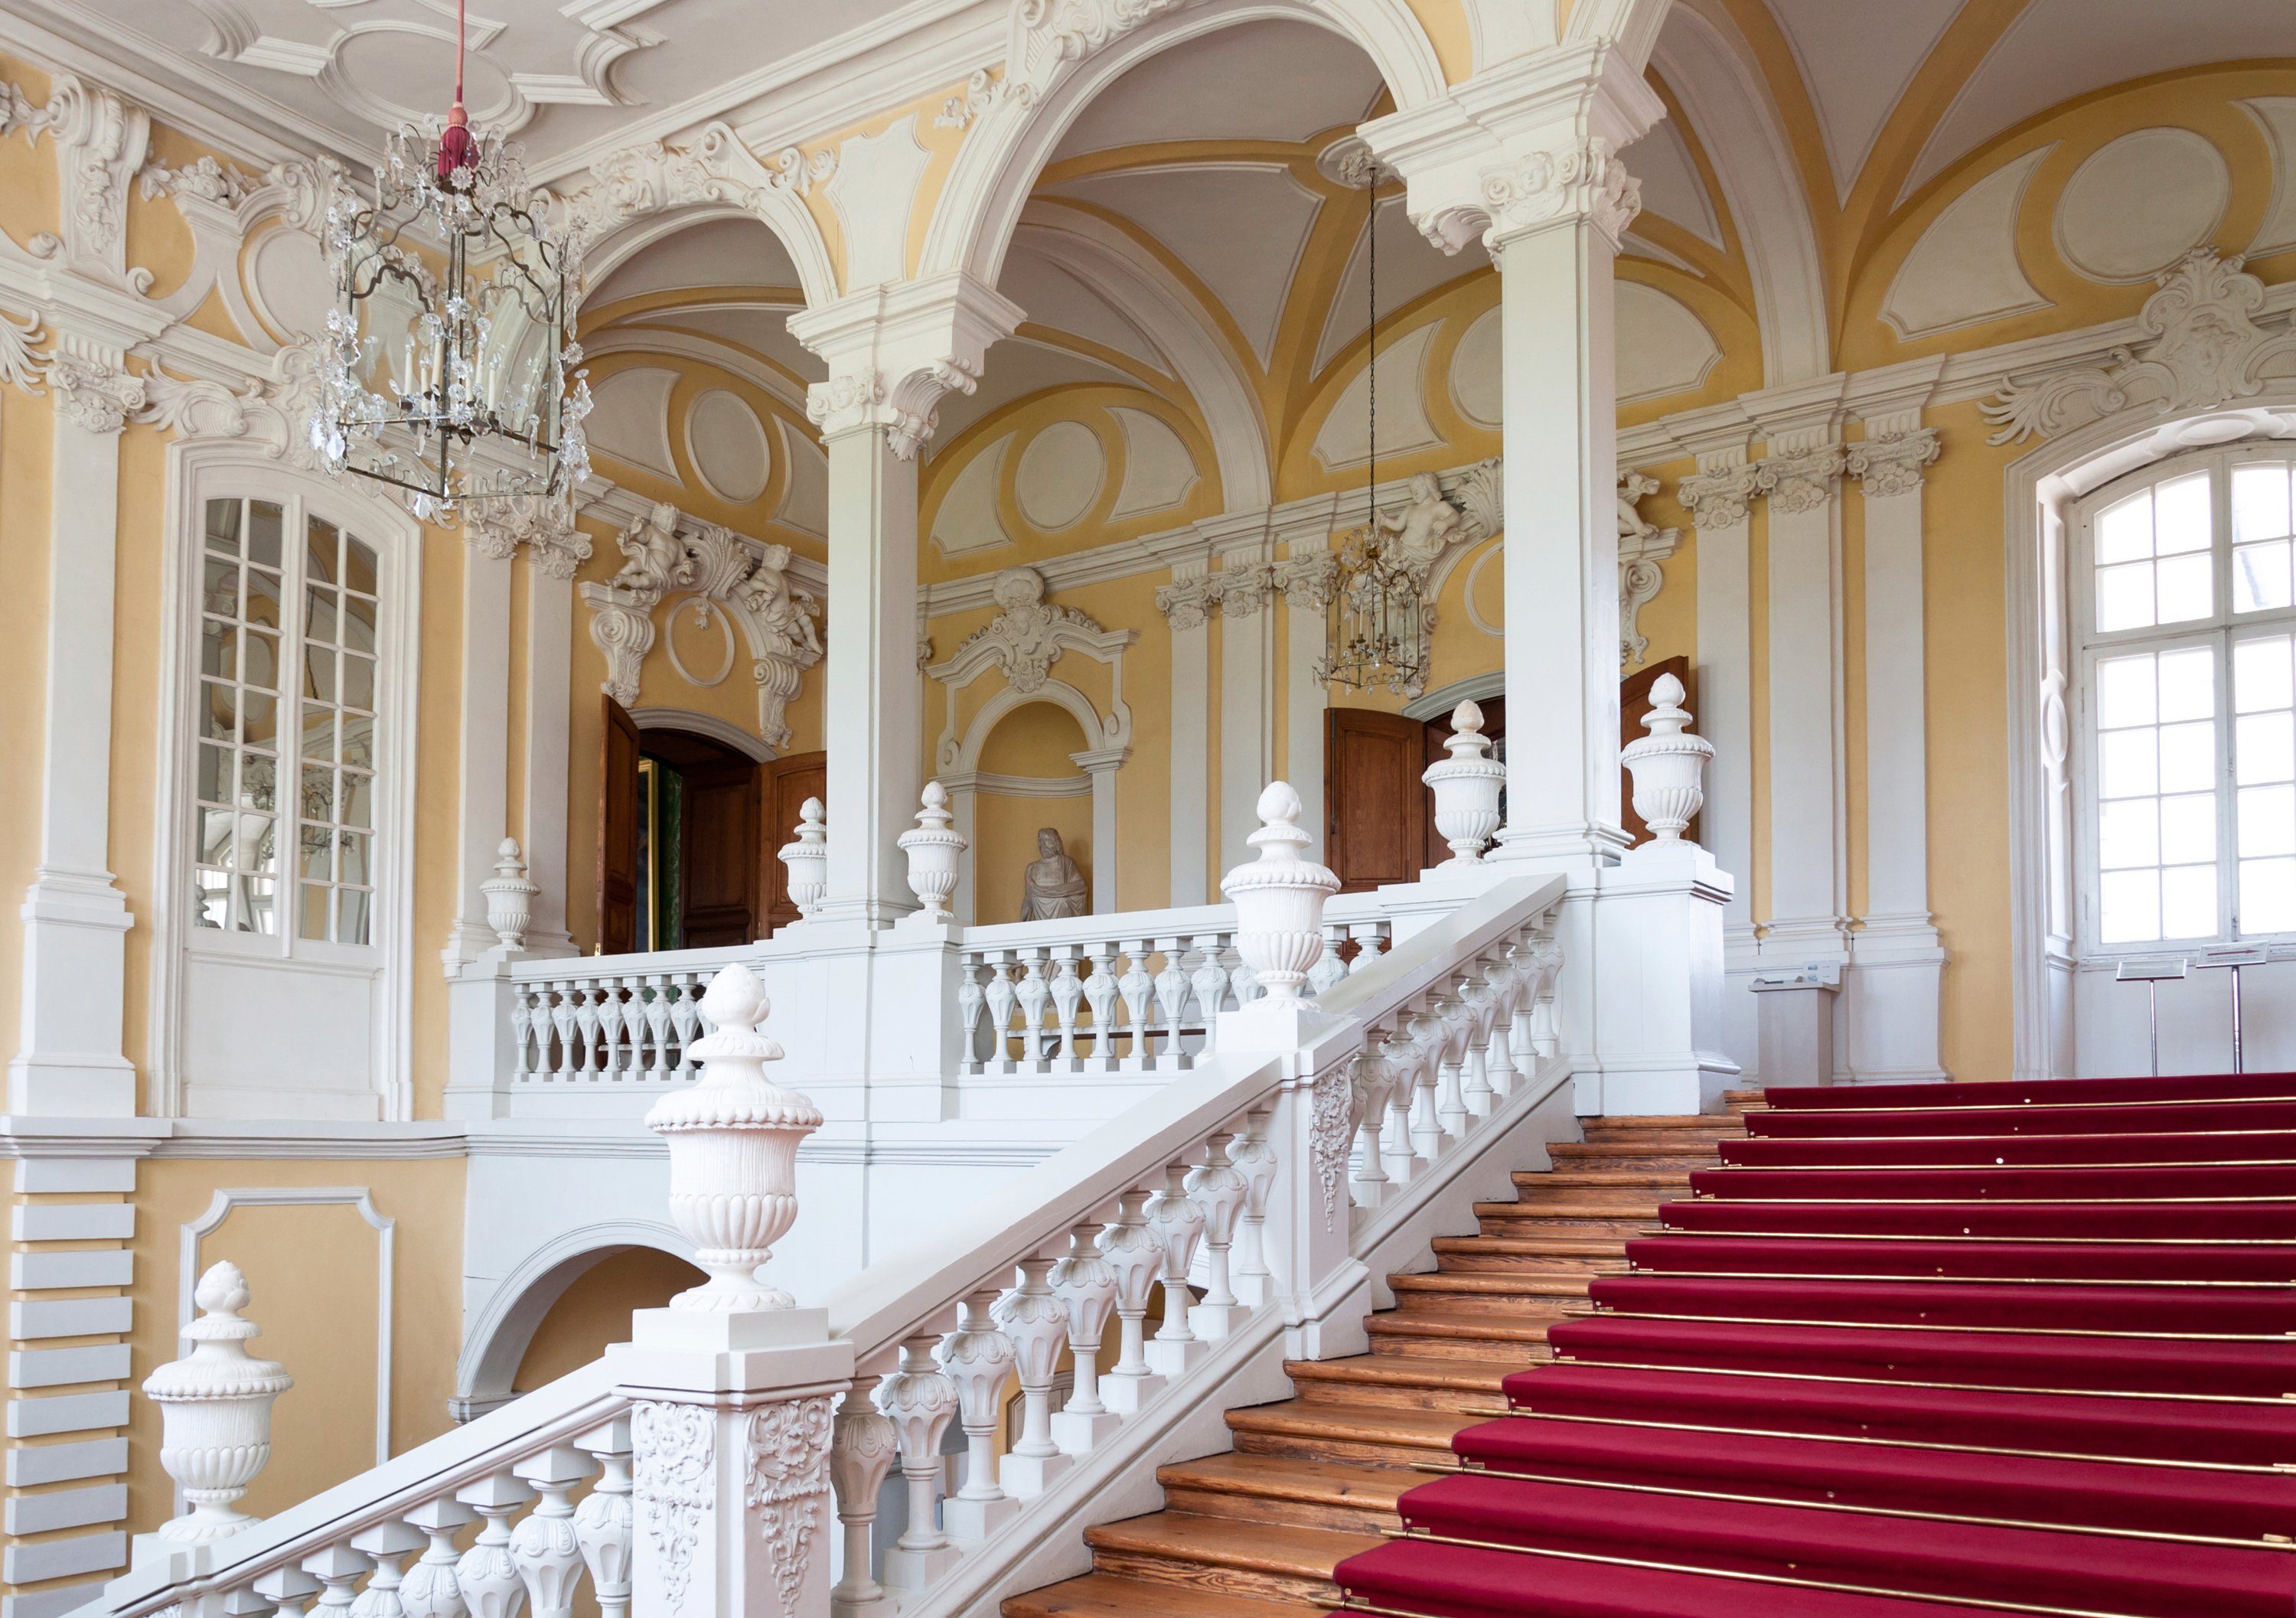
(553, 543)
(1643, 546)
(93, 392)
(1049, 37)
(1583, 179)
(673, 1448)
(786, 1482)
(1718, 497)
(1029, 635)
(1801, 479)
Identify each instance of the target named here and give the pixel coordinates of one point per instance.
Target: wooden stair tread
(1267, 1548)
(1293, 1478)
(1402, 1370)
(1488, 1284)
(1109, 1595)
(1359, 1423)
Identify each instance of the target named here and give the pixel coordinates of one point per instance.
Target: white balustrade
(609, 1024)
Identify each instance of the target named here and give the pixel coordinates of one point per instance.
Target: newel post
(733, 1387)
(215, 1411)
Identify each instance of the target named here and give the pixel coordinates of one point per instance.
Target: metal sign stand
(2152, 974)
(2233, 960)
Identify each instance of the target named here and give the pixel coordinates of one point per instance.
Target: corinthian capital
(93, 391)
(1578, 181)
(893, 350)
(1892, 464)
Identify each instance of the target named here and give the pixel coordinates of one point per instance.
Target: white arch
(966, 757)
(663, 211)
(996, 167)
(501, 1332)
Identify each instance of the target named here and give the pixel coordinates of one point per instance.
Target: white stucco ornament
(1466, 787)
(933, 846)
(733, 1143)
(1279, 899)
(510, 896)
(1668, 765)
(215, 1410)
(808, 858)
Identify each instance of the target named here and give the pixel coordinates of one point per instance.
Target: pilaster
(549, 681)
(1187, 603)
(1247, 749)
(482, 755)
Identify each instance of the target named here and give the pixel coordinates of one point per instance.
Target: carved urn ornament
(215, 1410)
(733, 1151)
(510, 896)
(1668, 765)
(1279, 898)
(1466, 787)
(807, 859)
(933, 846)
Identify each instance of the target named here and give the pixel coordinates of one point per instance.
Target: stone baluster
(971, 1002)
(1397, 1155)
(1329, 968)
(609, 1028)
(523, 1064)
(657, 1065)
(338, 1568)
(586, 1022)
(285, 1589)
(1035, 993)
(1481, 1005)
(1100, 995)
(1138, 988)
(1505, 992)
(1370, 943)
(603, 1523)
(1068, 994)
(486, 1572)
(1210, 983)
(1002, 998)
(920, 1401)
(1546, 1030)
(977, 1357)
(1456, 1019)
(1426, 1126)
(861, 1449)
(1085, 1283)
(387, 1545)
(1179, 1224)
(430, 1588)
(1253, 1155)
(545, 1547)
(685, 1020)
(1369, 1083)
(1219, 1191)
(1136, 1256)
(1037, 1325)
(562, 1024)
(1172, 1002)
(245, 1603)
(215, 1410)
(1243, 982)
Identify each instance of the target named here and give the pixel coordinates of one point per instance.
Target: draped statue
(1053, 888)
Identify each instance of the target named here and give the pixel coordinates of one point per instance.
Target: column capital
(1799, 480)
(1892, 463)
(1719, 495)
(895, 348)
(553, 543)
(1523, 145)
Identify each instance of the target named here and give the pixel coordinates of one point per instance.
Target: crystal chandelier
(1378, 626)
(447, 369)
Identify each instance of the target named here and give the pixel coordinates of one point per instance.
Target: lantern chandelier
(447, 369)
(1378, 626)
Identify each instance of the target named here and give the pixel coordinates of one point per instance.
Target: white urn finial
(933, 846)
(510, 896)
(1279, 899)
(215, 1410)
(1466, 787)
(733, 1151)
(807, 858)
(1668, 764)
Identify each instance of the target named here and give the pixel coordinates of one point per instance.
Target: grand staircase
(1884, 1353)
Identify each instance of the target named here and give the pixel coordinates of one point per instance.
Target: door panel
(719, 885)
(786, 784)
(1634, 702)
(619, 805)
(1375, 829)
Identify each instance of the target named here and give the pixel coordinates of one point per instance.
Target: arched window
(2183, 605)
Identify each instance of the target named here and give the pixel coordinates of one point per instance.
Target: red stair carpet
(1916, 1351)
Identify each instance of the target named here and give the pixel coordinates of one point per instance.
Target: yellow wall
(596, 1311)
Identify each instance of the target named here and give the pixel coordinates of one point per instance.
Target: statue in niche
(1424, 526)
(1053, 888)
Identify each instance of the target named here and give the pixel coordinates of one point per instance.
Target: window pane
(318, 732)
(2128, 833)
(263, 521)
(359, 795)
(358, 566)
(320, 623)
(213, 772)
(2267, 820)
(210, 899)
(2188, 828)
(315, 911)
(358, 741)
(2129, 764)
(2124, 691)
(326, 547)
(2188, 902)
(259, 718)
(2259, 576)
(318, 794)
(319, 674)
(2260, 674)
(254, 848)
(353, 848)
(2188, 685)
(318, 854)
(2264, 748)
(2124, 531)
(222, 527)
(358, 681)
(2181, 516)
(352, 905)
(219, 588)
(2259, 502)
(217, 704)
(2188, 758)
(2124, 596)
(2267, 896)
(255, 902)
(358, 624)
(2185, 588)
(2130, 906)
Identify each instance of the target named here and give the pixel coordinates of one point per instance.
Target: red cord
(456, 149)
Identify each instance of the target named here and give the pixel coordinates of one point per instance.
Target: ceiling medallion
(449, 367)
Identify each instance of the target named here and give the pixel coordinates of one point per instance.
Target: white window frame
(2219, 631)
(204, 470)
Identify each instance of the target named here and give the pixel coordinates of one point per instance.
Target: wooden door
(785, 785)
(1438, 733)
(619, 806)
(1375, 815)
(720, 849)
(1634, 703)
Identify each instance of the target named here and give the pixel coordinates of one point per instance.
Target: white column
(1101, 764)
(1246, 747)
(1186, 603)
(1894, 991)
(1718, 497)
(483, 757)
(70, 1062)
(874, 698)
(1558, 402)
(1807, 869)
(549, 678)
